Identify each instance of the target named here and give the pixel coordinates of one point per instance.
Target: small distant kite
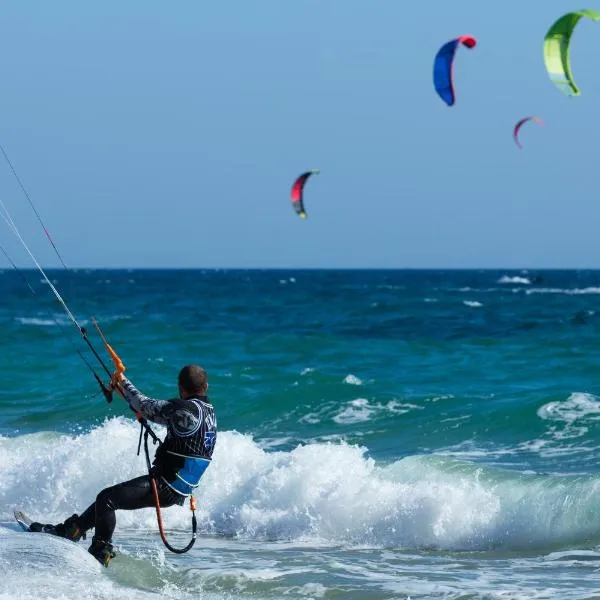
(556, 50)
(520, 124)
(443, 80)
(297, 194)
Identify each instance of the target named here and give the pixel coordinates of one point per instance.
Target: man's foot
(102, 551)
(69, 529)
(43, 528)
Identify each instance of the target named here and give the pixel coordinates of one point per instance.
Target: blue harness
(188, 477)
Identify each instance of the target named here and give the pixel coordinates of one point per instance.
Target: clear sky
(167, 134)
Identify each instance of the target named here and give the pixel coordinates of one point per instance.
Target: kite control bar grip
(115, 380)
(119, 366)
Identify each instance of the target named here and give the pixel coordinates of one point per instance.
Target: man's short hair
(193, 379)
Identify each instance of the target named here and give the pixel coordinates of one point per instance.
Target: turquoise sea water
(382, 434)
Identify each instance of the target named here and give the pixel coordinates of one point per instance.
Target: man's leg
(129, 495)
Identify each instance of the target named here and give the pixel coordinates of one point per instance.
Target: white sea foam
(473, 303)
(60, 319)
(352, 380)
(36, 321)
(55, 321)
(546, 448)
(361, 410)
(326, 491)
(465, 290)
(567, 291)
(568, 423)
(571, 415)
(357, 411)
(36, 567)
(515, 279)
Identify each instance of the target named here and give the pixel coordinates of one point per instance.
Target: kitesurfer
(178, 465)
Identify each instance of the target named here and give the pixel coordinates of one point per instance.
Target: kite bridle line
(37, 214)
(83, 332)
(106, 390)
(13, 227)
(60, 326)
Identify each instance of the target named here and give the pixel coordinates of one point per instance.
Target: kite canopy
(520, 124)
(297, 194)
(556, 50)
(443, 79)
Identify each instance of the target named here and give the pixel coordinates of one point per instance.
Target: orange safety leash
(160, 521)
(161, 528)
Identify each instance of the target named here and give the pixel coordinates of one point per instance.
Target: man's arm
(157, 411)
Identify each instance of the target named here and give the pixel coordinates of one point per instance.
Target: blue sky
(153, 134)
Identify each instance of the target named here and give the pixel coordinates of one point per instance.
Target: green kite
(556, 50)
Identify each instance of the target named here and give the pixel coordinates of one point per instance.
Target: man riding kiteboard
(178, 465)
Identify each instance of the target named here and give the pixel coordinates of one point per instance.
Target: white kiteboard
(23, 520)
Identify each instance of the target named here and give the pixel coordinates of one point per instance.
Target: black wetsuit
(178, 464)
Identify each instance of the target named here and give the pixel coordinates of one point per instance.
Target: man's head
(193, 382)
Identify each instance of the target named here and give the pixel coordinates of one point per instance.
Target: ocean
(382, 434)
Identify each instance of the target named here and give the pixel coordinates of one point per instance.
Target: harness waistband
(179, 491)
(188, 456)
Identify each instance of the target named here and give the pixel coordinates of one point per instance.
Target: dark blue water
(419, 412)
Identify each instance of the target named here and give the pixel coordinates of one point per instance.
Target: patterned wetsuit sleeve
(157, 411)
